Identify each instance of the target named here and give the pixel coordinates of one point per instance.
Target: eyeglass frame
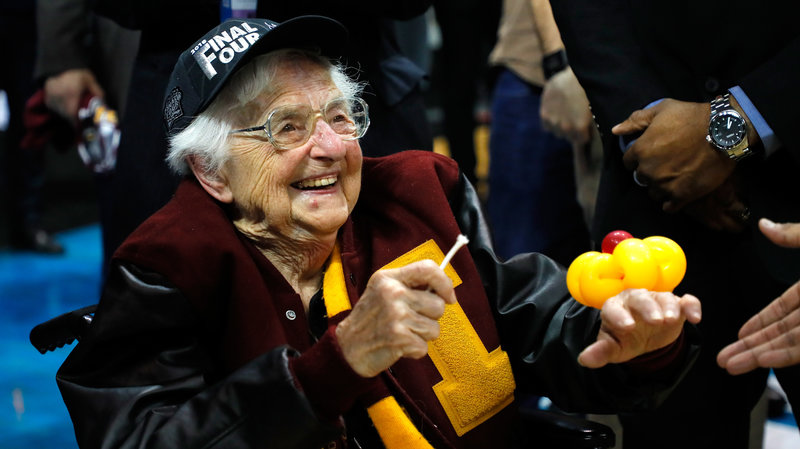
(316, 116)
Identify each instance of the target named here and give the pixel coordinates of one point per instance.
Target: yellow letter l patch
(476, 384)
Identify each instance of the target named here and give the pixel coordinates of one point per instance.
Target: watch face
(727, 129)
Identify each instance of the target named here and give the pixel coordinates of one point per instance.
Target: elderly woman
(290, 294)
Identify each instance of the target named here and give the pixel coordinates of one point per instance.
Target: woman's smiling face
(304, 192)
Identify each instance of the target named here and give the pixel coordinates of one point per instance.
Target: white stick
(460, 241)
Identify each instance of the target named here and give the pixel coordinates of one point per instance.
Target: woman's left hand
(636, 322)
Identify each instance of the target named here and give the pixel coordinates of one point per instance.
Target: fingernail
(767, 223)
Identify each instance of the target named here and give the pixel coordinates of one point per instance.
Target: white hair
(207, 137)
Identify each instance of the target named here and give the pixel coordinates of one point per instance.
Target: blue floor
(34, 288)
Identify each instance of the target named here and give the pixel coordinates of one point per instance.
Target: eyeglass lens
(292, 125)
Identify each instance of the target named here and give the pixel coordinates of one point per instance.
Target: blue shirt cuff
(768, 138)
(627, 140)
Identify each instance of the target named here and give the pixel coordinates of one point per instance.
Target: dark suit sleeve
(606, 57)
(63, 27)
(773, 89)
(174, 20)
(357, 10)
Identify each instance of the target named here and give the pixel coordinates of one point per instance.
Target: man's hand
(672, 155)
(786, 235)
(771, 338)
(565, 109)
(721, 210)
(395, 317)
(63, 92)
(636, 322)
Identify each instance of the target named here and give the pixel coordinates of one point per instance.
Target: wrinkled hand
(771, 338)
(395, 317)
(636, 322)
(63, 92)
(565, 109)
(721, 210)
(672, 155)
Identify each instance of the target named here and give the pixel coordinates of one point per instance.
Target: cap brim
(323, 33)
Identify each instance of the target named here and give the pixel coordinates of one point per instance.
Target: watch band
(554, 62)
(738, 153)
(720, 103)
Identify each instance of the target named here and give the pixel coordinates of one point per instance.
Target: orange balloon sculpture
(654, 263)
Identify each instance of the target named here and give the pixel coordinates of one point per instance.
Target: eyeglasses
(291, 126)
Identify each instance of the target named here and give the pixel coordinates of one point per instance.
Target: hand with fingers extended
(771, 338)
(672, 157)
(395, 317)
(638, 321)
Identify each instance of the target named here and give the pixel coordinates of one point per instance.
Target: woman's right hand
(396, 317)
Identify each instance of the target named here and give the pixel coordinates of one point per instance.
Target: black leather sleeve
(543, 329)
(143, 377)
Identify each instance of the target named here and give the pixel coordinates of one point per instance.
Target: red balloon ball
(610, 241)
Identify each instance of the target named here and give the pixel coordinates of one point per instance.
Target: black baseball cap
(203, 69)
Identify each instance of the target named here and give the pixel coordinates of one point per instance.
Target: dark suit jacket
(628, 53)
(70, 36)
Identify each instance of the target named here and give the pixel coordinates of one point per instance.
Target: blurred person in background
(22, 173)
(540, 122)
(84, 61)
